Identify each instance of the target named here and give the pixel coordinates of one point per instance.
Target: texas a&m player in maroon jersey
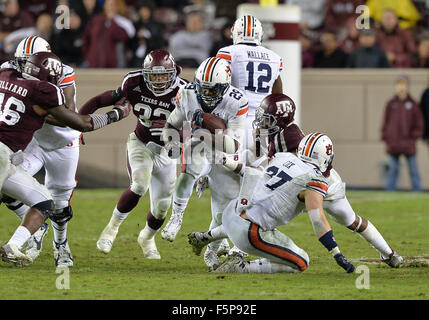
(25, 100)
(151, 91)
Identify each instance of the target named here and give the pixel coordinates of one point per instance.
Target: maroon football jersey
(287, 140)
(147, 106)
(18, 121)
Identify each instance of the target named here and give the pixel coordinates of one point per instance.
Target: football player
(151, 91)
(275, 119)
(250, 221)
(56, 148)
(211, 92)
(256, 71)
(26, 100)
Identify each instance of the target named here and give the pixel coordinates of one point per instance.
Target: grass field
(403, 219)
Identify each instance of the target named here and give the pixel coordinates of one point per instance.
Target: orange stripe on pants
(274, 250)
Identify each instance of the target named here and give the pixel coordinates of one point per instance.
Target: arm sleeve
(48, 95)
(318, 185)
(105, 99)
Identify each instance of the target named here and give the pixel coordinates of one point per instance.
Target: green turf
(403, 219)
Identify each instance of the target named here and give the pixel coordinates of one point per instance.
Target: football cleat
(394, 260)
(198, 241)
(211, 259)
(148, 246)
(10, 253)
(235, 250)
(106, 239)
(62, 255)
(34, 244)
(233, 264)
(173, 226)
(223, 249)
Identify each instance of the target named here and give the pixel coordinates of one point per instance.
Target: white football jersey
(52, 137)
(232, 109)
(275, 201)
(254, 70)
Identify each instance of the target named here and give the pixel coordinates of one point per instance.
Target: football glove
(197, 120)
(202, 184)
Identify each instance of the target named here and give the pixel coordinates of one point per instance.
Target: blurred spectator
(226, 39)
(14, 18)
(227, 9)
(106, 37)
(421, 57)
(339, 13)
(404, 10)
(402, 126)
(307, 55)
(67, 43)
(191, 46)
(422, 7)
(424, 105)
(176, 4)
(398, 44)
(38, 7)
(368, 55)
(312, 13)
(205, 8)
(85, 9)
(149, 34)
(350, 41)
(330, 56)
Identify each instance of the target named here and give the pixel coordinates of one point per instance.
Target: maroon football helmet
(44, 66)
(160, 71)
(275, 112)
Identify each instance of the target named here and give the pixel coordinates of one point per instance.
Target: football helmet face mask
(159, 71)
(27, 47)
(44, 66)
(212, 80)
(247, 29)
(276, 112)
(317, 148)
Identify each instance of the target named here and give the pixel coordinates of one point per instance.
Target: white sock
(148, 232)
(374, 237)
(21, 235)
(117, 218)
(60, 232)
(217, 233)
(266, 266)
(183, 192)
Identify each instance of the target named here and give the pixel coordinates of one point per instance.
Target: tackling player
(275, 119)
(26, 100)
(151, 91)
(56, 149)
(272, 198)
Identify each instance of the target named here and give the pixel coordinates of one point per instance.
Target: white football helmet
(212, 80)
(316, 148)
(29, 46)
(247, 29)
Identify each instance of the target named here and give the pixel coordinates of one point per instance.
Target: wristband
(328, 240)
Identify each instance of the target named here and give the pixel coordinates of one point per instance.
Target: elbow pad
(117, 95)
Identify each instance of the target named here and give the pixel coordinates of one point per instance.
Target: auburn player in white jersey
(211, 92)
(255, 69)
(55, 148)
(270, 199)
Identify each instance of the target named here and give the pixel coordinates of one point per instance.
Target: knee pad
(141, 180)
(46, 208)
(62, 216)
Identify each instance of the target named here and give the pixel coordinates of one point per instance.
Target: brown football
(212, 122)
